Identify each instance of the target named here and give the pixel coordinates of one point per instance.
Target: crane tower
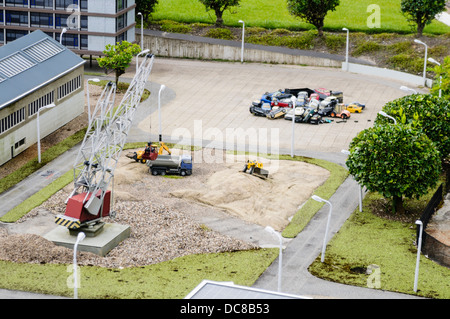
(91, 198)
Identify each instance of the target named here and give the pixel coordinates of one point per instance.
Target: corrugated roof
(30, 62)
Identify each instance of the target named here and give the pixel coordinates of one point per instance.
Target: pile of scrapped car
(311, 106)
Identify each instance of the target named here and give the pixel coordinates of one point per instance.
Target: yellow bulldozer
(255, 168)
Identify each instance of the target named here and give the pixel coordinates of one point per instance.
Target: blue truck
(170, 164)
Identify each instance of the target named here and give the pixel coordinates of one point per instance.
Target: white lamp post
(159, 111)
(137, 57)
(425, 63)
(87, 93)
(347, 47)
(407, 89)
(294, 103)
(38, 129)
(419, 248)
(142, 29)
(64, 30)
(440, 78)
(80, 237)
(243, 37)
(319, 199)
(388, 116)
(272, 231)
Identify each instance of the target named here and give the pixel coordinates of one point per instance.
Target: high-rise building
(90, 25)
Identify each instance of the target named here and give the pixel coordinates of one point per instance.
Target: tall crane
(90, 200)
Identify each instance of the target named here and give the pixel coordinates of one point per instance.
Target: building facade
(37, 71)
(90, 25)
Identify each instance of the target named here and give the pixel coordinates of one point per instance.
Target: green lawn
(274, 14)
(366, 239)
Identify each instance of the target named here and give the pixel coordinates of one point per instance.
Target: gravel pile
(162, 227)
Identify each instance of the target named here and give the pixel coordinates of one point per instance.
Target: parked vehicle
(344, 114)
(355, 107)
(276, 113)
(171, 164)
(325, 92)
(260, 109)
(299, 111)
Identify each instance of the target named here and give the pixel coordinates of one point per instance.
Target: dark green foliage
(219, 7)
(422, 12)
(396, 161)
(145, 7)
(428, 113)
(312, 11)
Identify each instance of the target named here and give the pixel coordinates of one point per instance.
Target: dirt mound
(267, 202)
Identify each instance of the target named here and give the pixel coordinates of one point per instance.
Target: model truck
(170, 164)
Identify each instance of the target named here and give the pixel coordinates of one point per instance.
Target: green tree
(118, 57)
(312, 11)
(396, 161)
(146, 7)
(219, 7)
(429, 113)
(442, 79)
(422, 12)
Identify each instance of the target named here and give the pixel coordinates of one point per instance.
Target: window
(120, 5)
(19, 143)
(12, 35)
(34, 106)
(41, 19)
(69, 87)
(121, 22)
(12, 120)
(121, 37)
(16, 18)
(41, 4)
(16, 3)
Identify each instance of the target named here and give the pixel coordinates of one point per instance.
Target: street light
(425, 63)
(64, 30)
(137, 57)
(419, 248)
(407, 89)
(294, 103)
(346, 51)
(80, 237)
(272, 231)
(38, 130)
(159, 111)
(243, 37)
(142, 30)
(388, 116)
(319, 199)
(440, 79)
(87, 93)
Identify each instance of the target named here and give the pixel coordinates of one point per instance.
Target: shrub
(220, 33)
(366, 47)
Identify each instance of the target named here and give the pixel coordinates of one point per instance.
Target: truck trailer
(170, 164)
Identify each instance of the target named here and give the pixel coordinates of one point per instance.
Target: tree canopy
(396, 161)
(312, 11)
(219, 7)
(118, 57)
(422, 12)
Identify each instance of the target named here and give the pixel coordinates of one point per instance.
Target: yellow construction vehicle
(149, 153)
(255, 168)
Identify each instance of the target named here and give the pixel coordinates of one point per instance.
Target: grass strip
(366, 239)
(46, 157)
(338, 174)
(172, 279)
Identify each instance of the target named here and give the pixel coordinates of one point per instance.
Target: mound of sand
(267, 202)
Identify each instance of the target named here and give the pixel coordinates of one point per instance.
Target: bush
(220, 33)
(335, 42)
(366, 47)
(174, 27)
(429, 113)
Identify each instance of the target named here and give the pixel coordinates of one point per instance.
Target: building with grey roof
(36, 71)
(90, 25)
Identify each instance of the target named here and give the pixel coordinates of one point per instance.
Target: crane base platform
(110, 236)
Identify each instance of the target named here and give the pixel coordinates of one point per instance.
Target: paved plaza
(208, 100)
